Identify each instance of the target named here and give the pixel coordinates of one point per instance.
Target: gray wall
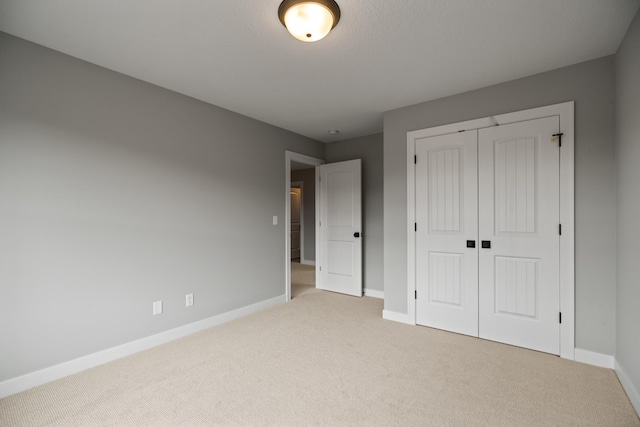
(628, 162)
(115, 193)
(369, 149)
(591, 86)
(308, 177)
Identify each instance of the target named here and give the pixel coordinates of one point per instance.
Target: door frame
(567, 206)
(289, 157)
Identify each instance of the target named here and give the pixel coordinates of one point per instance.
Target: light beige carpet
(328, 359)
(303, 279)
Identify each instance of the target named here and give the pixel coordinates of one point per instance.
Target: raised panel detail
(516, 286)
(340, 203)
(340, 258)
(445, 189)
(515, 164)
(445, 278)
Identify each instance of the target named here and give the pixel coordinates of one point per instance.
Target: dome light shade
(308, 20)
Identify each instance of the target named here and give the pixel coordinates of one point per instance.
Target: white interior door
(339, 225)
(519, 205)
(446, 232)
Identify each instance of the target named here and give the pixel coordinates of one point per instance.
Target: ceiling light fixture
(309, 20)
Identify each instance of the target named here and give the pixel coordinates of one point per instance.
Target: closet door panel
(519, 215)
(446, 219)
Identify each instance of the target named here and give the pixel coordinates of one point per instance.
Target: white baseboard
(397, 317)
(307, 262)
(632, 391)
(43, 376)
(373, 293)
(593, 358)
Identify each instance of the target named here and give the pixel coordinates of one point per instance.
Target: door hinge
(560, 317)
(415, 294)
(415, 226)
(560, 229)
(559, 135)
(415, 160)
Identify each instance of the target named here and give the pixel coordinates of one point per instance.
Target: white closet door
(447, 227)
(519, 215)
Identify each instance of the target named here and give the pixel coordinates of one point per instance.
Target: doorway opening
(303, 272)
(300, 175)
(297, 220)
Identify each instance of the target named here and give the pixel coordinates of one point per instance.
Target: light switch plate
(275, 220)
(189, 300)
(157, 308)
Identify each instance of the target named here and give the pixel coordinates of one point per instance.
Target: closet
(487, 232)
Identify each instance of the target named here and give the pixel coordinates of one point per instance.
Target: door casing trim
(565, 111)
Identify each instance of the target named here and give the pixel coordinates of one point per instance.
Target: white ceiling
(384, 54)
